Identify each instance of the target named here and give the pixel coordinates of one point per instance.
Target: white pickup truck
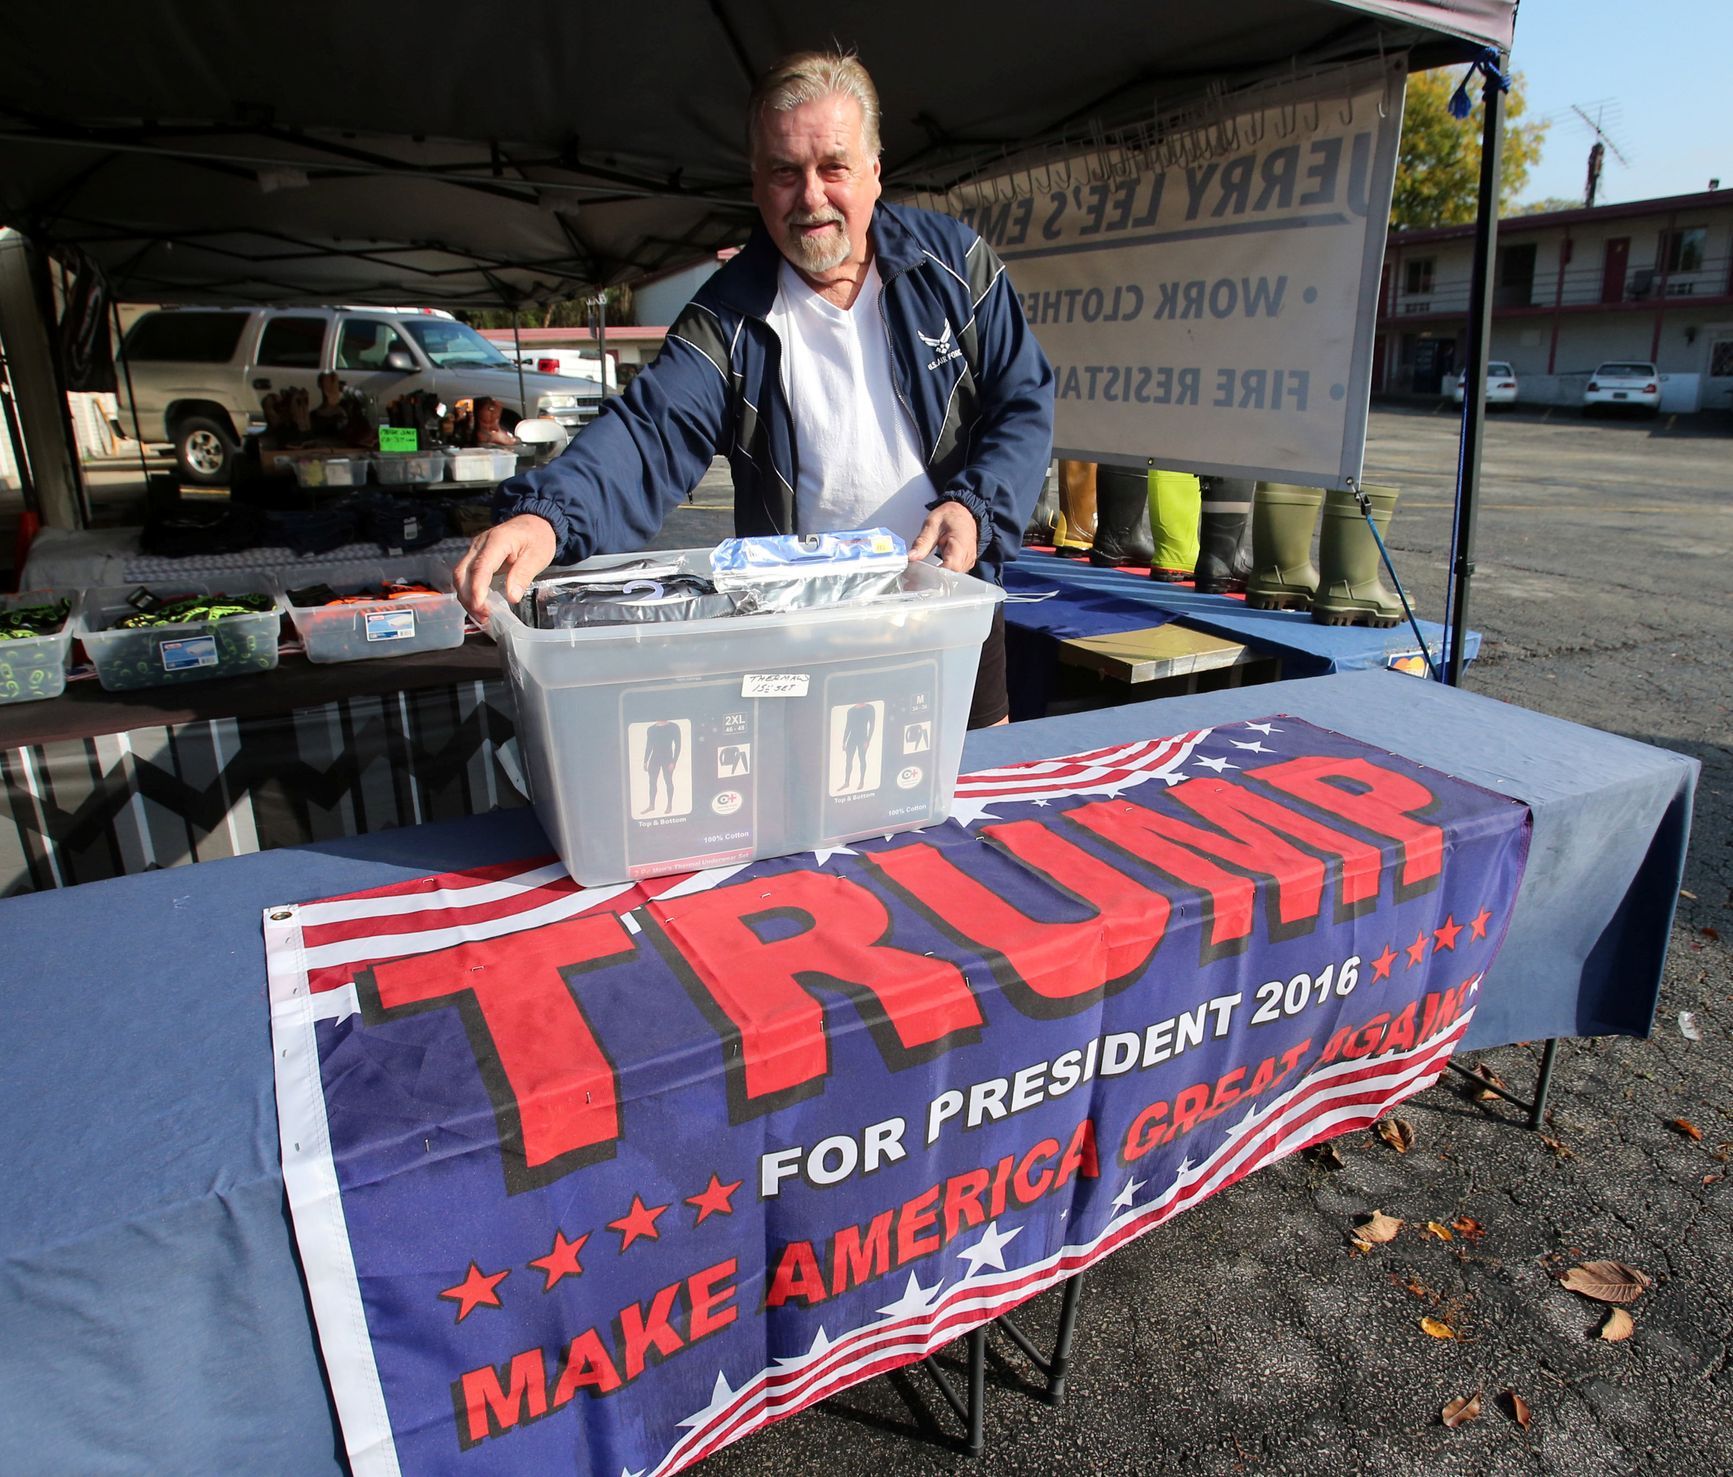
(198, 375)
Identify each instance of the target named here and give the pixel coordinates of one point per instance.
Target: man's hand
(521, 548)
(951, 529)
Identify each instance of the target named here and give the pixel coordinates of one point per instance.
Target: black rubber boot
(1122, 532)
(1043, 526)
(1076, 531)
(1224, 556)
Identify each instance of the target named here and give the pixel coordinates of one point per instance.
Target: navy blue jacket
(966, 366)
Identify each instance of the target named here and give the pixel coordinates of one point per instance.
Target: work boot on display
(1122, 533)
(1283, 576)
(1224, 534)
(1044, 521)
(1351, 589)
(1174, 499)
(1076, 529)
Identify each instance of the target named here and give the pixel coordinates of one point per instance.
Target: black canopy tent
(204, 152)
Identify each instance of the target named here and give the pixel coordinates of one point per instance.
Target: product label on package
(390, 625)
(690, 776)
(775, 684)
(188, 652)
(399, 438)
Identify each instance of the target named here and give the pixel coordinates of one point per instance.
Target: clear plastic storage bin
(481, 464)
(405, 468)
(374, 628)
(662, 748)
(330, 471)
(189, 651)
(34, 667)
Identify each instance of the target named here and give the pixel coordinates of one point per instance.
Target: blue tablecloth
(154, 1311)
(1103, 601)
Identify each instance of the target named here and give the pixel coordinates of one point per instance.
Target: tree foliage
(1545, 206)
(569, 312)
(1438, 162)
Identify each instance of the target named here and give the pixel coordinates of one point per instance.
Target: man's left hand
(952, 531)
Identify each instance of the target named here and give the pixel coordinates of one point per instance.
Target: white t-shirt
(860, 466)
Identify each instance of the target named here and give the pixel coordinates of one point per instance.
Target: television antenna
(1602, 146)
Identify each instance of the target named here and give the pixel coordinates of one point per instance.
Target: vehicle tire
(204, 450)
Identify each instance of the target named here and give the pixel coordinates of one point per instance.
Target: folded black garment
(194, 532)
(314, 530)
(397, 523)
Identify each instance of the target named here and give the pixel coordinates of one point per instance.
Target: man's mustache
(833, 218)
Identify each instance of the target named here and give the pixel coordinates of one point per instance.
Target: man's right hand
(520, 548)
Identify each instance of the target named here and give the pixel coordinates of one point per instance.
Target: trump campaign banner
(1206, 286)
(600, 1180)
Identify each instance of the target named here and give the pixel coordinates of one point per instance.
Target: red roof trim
(1521, 224)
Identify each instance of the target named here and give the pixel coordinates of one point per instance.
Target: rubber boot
(1044, 521)
(1076, 528)
(1224, 534)
(1283, 576)
(1122, 534)
(1174, 500)
(1351, 589)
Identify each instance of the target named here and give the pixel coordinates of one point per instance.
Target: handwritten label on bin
(774, 684)
(399, 438)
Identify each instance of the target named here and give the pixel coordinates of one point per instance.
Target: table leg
(1542, 1086)
(1052, 1367)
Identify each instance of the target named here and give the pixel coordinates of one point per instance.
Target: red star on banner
(1477, 926)
(1416, 951)
(562, 1261)
(1446, 935)
(478, 1290)
(715, 1196)
(640, 1220)
(1381, 965)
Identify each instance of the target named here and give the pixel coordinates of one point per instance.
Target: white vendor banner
(1207, 290)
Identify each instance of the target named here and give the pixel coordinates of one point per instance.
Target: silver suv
(199, 374)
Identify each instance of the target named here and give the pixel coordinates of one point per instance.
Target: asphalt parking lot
(1247, 1336)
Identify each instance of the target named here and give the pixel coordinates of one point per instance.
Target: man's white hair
(807, 77)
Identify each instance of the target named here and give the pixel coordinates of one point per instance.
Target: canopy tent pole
(517, 353)
(1474, 388)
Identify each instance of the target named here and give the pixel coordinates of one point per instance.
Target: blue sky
(1661, 69)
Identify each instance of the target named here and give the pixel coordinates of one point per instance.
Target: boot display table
(142, 1218)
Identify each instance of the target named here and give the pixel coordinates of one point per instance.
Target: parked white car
(198, 375)
(1623, 382)
(1500, 384)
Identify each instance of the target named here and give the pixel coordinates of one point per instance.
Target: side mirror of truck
(401, 361)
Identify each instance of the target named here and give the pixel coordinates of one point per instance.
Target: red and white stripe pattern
(343, 935)
(1338, 1099)
(1113, 767)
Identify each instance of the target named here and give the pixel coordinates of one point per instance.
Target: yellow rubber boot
(1175, 500)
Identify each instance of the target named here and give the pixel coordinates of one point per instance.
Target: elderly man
(859, 364)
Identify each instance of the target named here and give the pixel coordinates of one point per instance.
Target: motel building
(1649, 281)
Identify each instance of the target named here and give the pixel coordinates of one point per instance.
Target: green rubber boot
(1283, 576)
(1174, 503)
(1351, 590)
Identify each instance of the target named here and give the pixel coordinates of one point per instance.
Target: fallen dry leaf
(1483, 1073)
(1688, 1027)
(1559, 1149)
(1356, 1244)
(1462, 1410)
(1432, 1228)
(1686, 892)
(1468, 1228)
(1413, 1285)
(1379, 1228)
(1713, 934)
(1325, 1154)
(1688, 1128)
(1619, 1325)
(1518, 1408)
(1437, 1328)
(1397, 1132)
(1710, 1179)
(1606, 1282)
